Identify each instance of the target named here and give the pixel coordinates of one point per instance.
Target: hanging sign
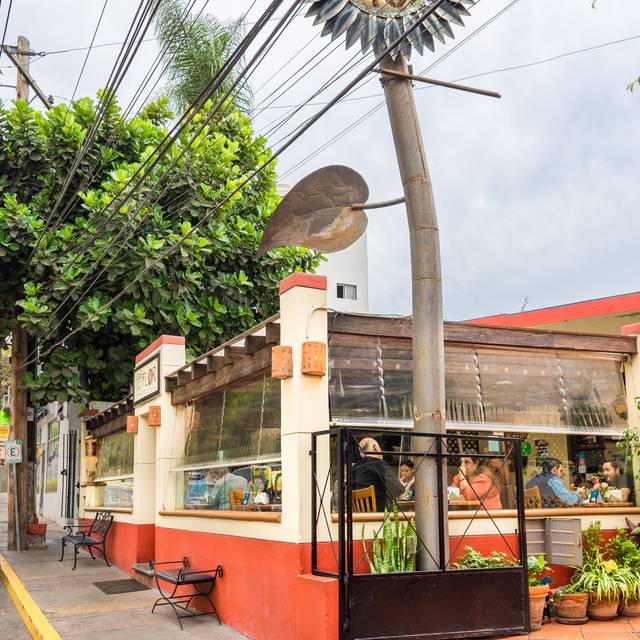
(13, 451)
(146, 380)
(4, 431)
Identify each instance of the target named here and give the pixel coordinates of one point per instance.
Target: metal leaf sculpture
(378, 23)
(317, 212)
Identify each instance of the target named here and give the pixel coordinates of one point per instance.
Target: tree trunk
(18, 432)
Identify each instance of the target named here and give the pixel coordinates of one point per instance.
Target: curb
(34, 620)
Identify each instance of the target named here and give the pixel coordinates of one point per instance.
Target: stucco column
(632, 381)
(305, 398)
(155, 450)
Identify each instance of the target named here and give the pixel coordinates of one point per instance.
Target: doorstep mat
(112, 587)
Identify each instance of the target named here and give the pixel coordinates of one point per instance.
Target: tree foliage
(194, 48)
(210, 288)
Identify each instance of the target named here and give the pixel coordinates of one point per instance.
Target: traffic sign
(13, 451)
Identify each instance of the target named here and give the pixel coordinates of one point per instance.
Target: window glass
(251, 487)
(115, 455)
(347, 291)
(239, 424)
(53, 446)
(116, 493)
(371, 379)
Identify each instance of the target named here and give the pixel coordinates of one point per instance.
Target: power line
(6, 24)
(297, 133)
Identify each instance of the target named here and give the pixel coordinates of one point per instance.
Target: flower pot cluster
(606, 585)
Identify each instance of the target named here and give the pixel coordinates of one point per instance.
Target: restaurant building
(210, 459)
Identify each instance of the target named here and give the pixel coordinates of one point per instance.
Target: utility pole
(428, 334)
(22, 483)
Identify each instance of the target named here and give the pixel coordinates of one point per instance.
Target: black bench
(92, 536)
(201, 581)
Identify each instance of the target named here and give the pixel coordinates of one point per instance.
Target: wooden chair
(532, 498)
(235, 499)
(364, 500)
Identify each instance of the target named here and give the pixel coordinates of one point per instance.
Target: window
(53, 446)
(232, 452)
(114, 470)
(347, 291)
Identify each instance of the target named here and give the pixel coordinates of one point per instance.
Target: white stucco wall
(348, 267)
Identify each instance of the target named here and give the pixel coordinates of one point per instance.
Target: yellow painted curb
(36, 622)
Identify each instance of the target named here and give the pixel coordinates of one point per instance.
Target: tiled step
(143, 573)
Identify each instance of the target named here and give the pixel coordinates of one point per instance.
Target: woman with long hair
(476, 482)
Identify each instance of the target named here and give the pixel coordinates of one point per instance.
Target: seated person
(371, 469)
(551, 487)
(199, 491)
(476, 482)
(407, 479)
(617, 479)
(226, 482)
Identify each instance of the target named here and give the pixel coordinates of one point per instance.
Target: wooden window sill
(505, 513)
(111, 509)
(247, 516)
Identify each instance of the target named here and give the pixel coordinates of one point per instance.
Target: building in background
(347, 274)
(601, 315)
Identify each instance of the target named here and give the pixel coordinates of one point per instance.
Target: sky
(537, 193)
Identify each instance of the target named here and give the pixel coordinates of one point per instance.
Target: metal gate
(69, 473)
(444, 603)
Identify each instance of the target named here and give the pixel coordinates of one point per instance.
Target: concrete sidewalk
(78, 609)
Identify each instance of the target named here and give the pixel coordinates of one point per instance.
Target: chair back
(363, 500)
(235, 499)
(532, 498)
(101, 525)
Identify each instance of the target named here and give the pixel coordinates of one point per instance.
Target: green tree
(194, 48)
(210, 288)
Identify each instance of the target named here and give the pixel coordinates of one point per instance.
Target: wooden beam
(130, 404)
(214, 363)
(253, 344)
(198, 369)
(272, 333)
(233, 354)
(170, 383)
(459, 333)
(183, 377)
(117, 423)
(214, 381)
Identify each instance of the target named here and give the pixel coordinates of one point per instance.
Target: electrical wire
(297, 134)
(6, 24)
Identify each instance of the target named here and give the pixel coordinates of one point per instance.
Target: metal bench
(200, 581)
(92, 536)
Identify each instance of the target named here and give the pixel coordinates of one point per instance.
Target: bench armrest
(71, 527)
(184, 562)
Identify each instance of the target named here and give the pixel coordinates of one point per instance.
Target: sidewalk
(618, 629)
(78, 610)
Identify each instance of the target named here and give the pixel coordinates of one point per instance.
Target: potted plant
(626, 553)
(472, 559)
(571, 604)
(396, 552)
(538, 589)
(603, 579)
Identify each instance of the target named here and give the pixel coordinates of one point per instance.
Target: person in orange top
(475, 483)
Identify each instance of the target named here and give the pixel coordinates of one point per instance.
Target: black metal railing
(396, 603)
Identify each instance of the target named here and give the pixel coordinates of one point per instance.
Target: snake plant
(395, 551)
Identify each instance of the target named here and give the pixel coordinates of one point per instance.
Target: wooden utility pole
(428, 336)
(24, 472)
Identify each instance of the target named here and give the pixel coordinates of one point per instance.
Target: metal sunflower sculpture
(378, 23)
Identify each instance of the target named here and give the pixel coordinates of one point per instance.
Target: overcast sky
(537, 193)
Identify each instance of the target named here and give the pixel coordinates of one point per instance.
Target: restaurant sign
(146, 380)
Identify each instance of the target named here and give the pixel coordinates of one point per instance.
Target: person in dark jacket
(371, 469)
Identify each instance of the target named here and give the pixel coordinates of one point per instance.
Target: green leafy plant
(60, 266)
(624, 551)
(600, 575)
(396, 551)
(565, 590)
(536, 566)
(472, 559)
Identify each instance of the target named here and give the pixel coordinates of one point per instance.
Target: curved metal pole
(378, 205)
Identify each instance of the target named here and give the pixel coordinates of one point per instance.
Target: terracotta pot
(572, 606)
(605, 609)
(537, 597)
(630, 609)
(36, 529)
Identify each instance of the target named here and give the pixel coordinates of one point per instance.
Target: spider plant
(604, 579)
(623, 550)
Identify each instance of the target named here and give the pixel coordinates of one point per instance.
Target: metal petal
(328, 27)
(391, 33)
(317, 212)
(344, 20)
(405, 44)
(414, 36)
(451, 12)
(332, 8)
(314, 9)
(427, 37)
(368, 34)
(435, 28)
(445, 26)
(379, 44)
(353, 32)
